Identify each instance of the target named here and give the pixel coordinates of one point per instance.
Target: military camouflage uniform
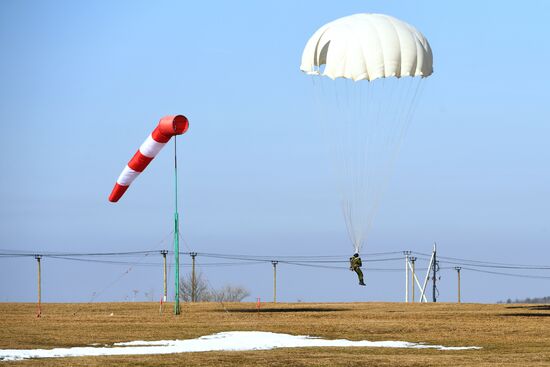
(355, 265)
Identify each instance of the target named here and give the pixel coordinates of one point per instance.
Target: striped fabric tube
(168, 126)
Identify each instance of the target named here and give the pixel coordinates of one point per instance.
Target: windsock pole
(168, 127)
(176, 234)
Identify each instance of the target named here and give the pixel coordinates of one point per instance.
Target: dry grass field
(510, 335)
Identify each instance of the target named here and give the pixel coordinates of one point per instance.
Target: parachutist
(355, 264)
(355, 49)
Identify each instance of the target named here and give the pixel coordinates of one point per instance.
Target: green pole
(176, 234)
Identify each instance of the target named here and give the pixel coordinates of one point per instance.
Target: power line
(102, 261)
(520, 267)
(479, 263)
(74, 254)
(509, 274)
(313, 261)
(316, 258)
(289, 258)
(212, 264)
(268, 257)
(113, 262)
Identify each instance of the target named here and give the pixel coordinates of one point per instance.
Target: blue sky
(83, 84)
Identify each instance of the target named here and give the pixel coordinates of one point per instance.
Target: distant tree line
(204, 292)
(528, 300)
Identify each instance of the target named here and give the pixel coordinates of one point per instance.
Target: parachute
(358, 66)
(168, 127)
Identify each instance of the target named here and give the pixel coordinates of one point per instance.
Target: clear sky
(83, 83)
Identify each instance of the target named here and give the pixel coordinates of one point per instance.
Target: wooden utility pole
(165, 294)
(458, 268)
(412, 259)
(193, 279)
(39, 312)
(274, 281)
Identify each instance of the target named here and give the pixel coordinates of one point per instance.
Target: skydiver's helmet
(356, 255)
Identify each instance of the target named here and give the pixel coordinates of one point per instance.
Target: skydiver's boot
(361, 282)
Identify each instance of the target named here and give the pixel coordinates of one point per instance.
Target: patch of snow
(226, 341)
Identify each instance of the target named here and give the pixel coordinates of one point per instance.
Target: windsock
(168, 126)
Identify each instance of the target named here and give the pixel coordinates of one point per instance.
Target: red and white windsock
(168, 126)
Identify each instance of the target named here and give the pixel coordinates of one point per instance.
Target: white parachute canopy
(358, 64)
(367, 46)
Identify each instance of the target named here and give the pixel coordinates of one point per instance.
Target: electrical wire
(313, 261)
(509, 274)
(459, 261)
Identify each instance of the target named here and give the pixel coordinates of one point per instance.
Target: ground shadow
(525, 314)
(535, 308)
(287, 310)
(531, 308)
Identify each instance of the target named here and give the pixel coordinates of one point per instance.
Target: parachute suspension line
(176, 234)
(365, 122)
(334, 131)
(386, 148)
(361, 132)
(367, 131)
(405, 118)
(414, 103)
(359, 182)
(404, 121)
(365, 137)
(376, 147)
(368, 140)
(347, 144)
(354, 133)
(374, 117)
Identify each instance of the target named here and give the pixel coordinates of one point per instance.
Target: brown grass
(511, 335)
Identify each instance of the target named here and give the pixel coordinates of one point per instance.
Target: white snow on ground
(227, 341)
